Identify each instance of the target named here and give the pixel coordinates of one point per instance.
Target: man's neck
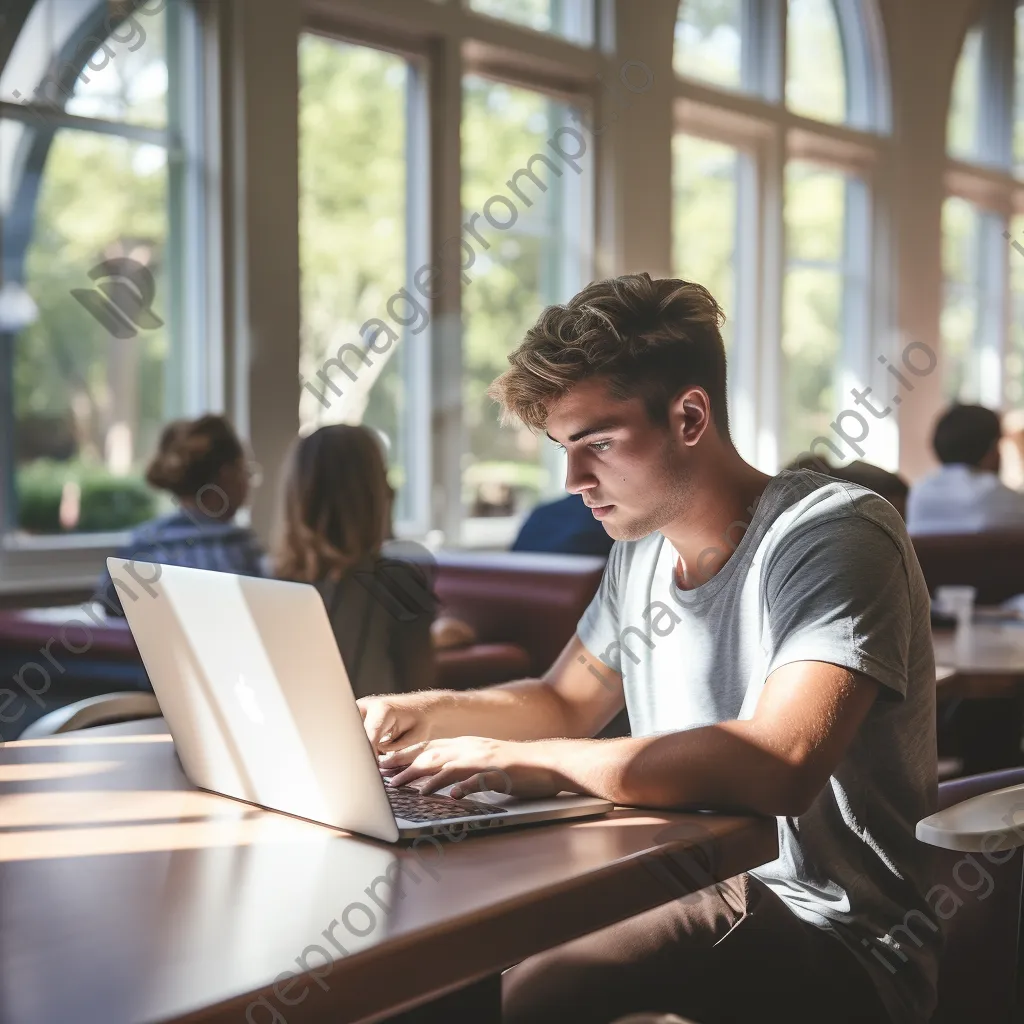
(714, 524)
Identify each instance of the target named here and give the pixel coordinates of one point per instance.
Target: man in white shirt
(966, 494)
(770, 639)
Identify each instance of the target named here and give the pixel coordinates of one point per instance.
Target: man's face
(634, 474)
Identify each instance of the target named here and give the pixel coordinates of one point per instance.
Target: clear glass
(571, 19)
(124, 78)
(89, 371)
(542, 257)
(705, 200)
(709, 41)
(962, 127)
(962, 294)
(352, 237)
(815, 70)
(815, 210)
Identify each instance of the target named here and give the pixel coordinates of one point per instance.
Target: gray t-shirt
(825, 572)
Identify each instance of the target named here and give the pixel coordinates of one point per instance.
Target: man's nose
(578, 478)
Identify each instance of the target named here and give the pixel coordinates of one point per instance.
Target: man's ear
(689, 415)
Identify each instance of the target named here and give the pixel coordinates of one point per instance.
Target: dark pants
(733, 955)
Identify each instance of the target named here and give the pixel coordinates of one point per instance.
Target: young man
(965, 495)
(770, 639)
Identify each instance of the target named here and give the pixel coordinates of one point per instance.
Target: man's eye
(601, 446)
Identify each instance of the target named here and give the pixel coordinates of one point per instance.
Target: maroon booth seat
(518, 597)
(976, 970)
(991, 562)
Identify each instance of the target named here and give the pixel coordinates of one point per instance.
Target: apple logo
(247, 700)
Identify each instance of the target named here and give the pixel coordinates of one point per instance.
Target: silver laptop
(259, 705)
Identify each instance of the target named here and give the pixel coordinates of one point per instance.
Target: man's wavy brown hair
(648, 338)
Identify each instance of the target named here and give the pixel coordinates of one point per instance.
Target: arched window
(982, 324)
(773, 212)
(92, 297)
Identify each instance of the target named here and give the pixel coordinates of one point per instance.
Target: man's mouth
(600, 511)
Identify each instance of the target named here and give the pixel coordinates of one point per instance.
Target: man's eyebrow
(596, 429)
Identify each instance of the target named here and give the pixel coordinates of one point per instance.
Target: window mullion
(446, 426)
(763, 53)
(771, 274)
(416, 350)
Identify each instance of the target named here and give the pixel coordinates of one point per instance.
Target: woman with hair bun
(203, 465)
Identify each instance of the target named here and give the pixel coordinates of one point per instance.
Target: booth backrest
(991, 562)
(534, 600)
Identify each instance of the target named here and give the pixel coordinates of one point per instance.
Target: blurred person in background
(203, 465)
(965, 495)
(334, 532)
(566, 526)
(890, 486)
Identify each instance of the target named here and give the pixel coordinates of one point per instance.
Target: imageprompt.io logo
(122, 298)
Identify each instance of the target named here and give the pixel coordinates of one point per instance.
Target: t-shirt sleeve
(838, 592)
(598, 630)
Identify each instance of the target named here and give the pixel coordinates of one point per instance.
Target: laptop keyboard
(412, 805)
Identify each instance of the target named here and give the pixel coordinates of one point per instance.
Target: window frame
(758, 123)
(988, 181)
(452, 41)
(194, 299)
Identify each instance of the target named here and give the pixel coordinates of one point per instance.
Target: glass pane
(964, 114)
(812, 304)
(1013, 382)
(352, 238)
(961, 320)
(540, 258)
(87, 59)
(570, 19)
(90, 381)
(815, 73)
(815, 199)
(708, 41)
(705, 189)
(811, 343)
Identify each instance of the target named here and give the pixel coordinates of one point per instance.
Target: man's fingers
(446, 776)
(402, 755)
(378, 723)
(474, 784)
(493, 780)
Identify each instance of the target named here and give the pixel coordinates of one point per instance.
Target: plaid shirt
(190, 540)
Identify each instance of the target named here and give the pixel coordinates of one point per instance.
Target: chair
(978, 858)
(102, 710)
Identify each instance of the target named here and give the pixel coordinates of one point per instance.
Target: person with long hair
(203, 465)
(335, 520)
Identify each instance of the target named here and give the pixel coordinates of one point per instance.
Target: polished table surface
(987, 661)
(126, 895)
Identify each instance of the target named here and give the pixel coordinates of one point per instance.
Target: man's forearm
(715, 767)
(527, 709)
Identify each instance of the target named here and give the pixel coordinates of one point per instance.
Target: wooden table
(984, 673)
(128, 896)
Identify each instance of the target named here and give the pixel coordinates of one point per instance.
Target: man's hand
(399, 719)
(475, 763)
